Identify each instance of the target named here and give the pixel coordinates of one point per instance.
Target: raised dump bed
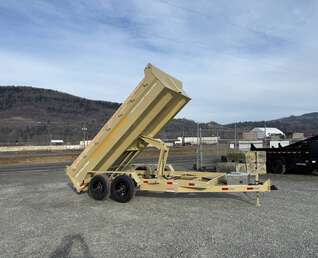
(105, 164)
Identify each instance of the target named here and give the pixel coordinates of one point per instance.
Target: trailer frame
(164, 180)
(105, 165)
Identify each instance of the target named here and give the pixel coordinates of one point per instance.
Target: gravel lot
(40, 216)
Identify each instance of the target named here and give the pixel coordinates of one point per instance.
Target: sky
(238, 60)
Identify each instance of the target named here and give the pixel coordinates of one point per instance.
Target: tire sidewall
(123, 179)
(278, 167)
(105, 184)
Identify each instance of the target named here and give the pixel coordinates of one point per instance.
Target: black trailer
(301, 157)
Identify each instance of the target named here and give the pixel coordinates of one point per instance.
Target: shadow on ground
(69, 245)
(240, 197)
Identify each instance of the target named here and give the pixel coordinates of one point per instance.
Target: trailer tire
(98, 187)
(279, 167)
(122, 189)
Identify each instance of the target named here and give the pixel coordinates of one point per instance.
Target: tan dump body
(154, 102)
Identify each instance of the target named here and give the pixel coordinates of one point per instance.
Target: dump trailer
(105, 165)
(301, 156)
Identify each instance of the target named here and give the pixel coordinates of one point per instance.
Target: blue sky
(238, 60)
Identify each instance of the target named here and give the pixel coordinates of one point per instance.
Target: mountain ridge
(31, 115)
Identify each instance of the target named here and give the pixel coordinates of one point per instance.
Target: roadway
(32, 168)
(178, 162)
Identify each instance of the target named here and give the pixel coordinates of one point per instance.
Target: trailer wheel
(98, 187)
(122, 189)
(279, 167)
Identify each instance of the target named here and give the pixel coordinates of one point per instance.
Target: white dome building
(261, 132)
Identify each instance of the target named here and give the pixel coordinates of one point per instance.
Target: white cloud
(245, 61)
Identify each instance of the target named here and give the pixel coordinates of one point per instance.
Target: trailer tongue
(105, 166)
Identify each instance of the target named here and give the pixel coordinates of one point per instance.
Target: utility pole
(235, 137)
(201, 150)
(217, 142)
(198, 151)
(84, 129)
(265, 144)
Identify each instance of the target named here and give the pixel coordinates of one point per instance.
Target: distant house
(298, 136)
(262, 132)
(245, 145)
(56, 142)
(82, 143)
(279, 143)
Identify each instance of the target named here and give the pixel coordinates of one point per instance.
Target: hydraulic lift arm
(164, 151)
